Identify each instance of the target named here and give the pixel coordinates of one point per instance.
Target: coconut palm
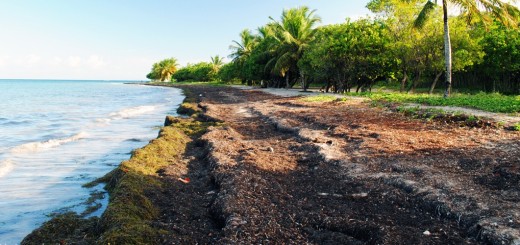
(478, 10)
(165, 69)
(292, 35)
(242, 50)
(216, 63)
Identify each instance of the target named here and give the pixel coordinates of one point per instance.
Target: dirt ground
(284, 171)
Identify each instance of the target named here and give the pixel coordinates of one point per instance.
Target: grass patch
(483, 101)
(319, 98)
(438, 115)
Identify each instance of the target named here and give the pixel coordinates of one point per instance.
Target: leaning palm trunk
(303, 81)
(447, 49)
(432, 87)
(287, 86)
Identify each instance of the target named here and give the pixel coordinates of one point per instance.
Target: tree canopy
(409, 44)
(163, 70)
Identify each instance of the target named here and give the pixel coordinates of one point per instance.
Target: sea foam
(126, 113)
(132, 112)
(44, 145)
(6, 166)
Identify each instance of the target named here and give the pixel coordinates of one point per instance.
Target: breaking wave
(43, 145)
(6, 166)
(127, 113)
(132, 112)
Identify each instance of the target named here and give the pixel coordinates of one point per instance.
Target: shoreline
(260, 168)
(51, 149)
(73, 228)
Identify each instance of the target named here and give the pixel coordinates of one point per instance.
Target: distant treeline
(391, 47)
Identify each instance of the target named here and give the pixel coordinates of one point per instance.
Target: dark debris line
(316, 202)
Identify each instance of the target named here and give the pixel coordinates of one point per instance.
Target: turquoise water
(56, 136)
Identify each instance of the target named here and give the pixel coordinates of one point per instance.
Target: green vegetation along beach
(244, 166)
(401, 127)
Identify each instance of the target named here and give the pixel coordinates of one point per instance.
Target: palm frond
(424, 14)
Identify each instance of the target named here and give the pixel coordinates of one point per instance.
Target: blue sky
(121, 39)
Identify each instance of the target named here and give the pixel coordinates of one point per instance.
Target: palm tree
(292, 35)
(242, 50)
(164, 69)
(504, 12)
(216, 63)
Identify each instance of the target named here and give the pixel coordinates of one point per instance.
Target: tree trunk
(435, 82)
(303, 82)
(287, 80)
(329, 81)
(447, 49)
(415, 82)
(403, 82)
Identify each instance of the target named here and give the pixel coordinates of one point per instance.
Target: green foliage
(319, 98)
(274, 52)
(488, 102)
(349, 53)
(202, 71)
(228, 72)
(472, 10)
(210, 83)
(163, 70)
(216, 63)
(502, 59)
(291, 36)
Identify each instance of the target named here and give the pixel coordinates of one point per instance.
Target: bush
(197, 72)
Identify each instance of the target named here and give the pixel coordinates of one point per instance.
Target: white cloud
(33, 59)
(27, 60)
(74, 61)
(3, 60)
(56, 61)
(95, 61)
(74, 66)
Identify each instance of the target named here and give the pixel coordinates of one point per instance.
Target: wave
(132, 112)
(126, 113)
(6, 166)
(43, 145)
(13, 123)
(134, 140)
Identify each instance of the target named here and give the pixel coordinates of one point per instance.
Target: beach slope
(252, 167)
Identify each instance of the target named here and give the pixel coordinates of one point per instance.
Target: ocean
(56, 136)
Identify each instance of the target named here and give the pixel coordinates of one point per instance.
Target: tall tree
(163, 70)
(292, 35)
(242, 49)
(216, 63)
(502, 11)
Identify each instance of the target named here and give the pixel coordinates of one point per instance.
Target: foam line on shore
(44, 145)
(132, 112)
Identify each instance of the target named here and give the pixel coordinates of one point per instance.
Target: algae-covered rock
(68, 228)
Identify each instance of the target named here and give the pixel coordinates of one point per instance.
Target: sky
(121, 39)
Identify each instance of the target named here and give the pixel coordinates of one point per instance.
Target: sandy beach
(244, 166)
